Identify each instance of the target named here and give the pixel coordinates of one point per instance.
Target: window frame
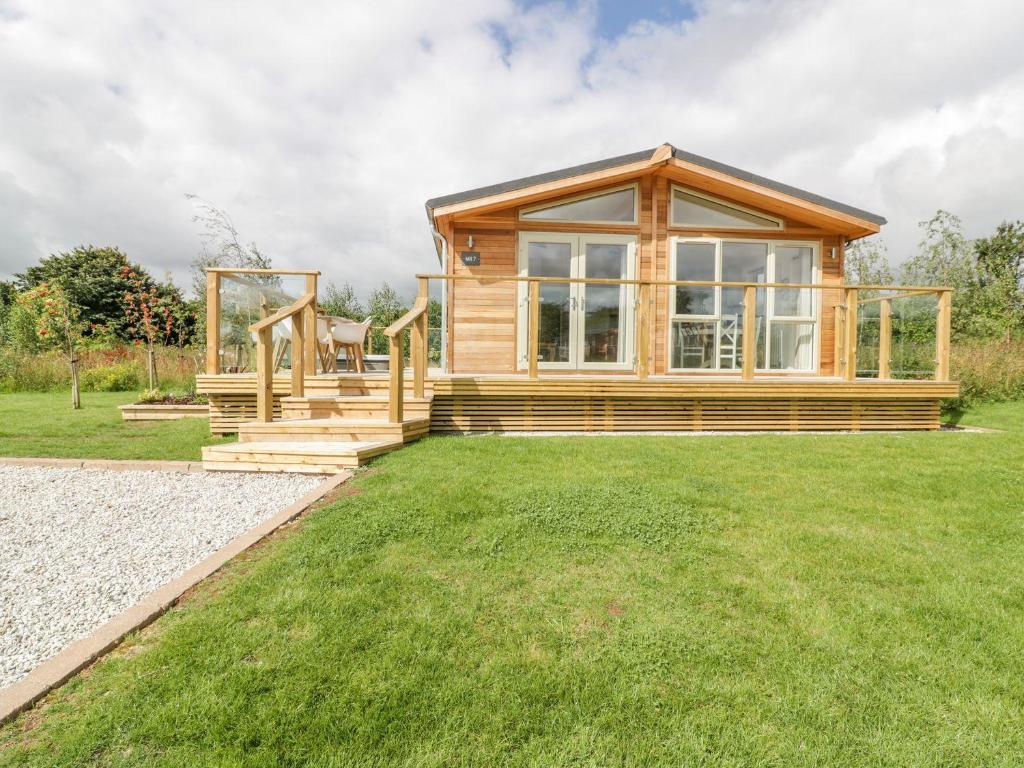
(814, 318)
(584, 196)
(672, 222)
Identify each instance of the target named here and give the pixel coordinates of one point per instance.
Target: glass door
(581, 326)
(606, 317)
(552, 255)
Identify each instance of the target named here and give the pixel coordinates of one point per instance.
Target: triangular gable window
(615, 207)
(690, 209)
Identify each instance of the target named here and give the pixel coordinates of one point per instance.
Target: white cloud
(322, 127)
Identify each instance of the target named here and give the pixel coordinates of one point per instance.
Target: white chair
(334, 332)
(281, 334)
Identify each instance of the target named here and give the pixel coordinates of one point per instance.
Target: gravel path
(78, 546)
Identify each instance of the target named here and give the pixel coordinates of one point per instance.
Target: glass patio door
(582, 327)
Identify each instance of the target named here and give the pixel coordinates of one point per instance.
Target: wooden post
(534, 327)
(643, 336)
(264, 375)
(749, 331)
(884, 338)
(396, 369)
(850, 335)
(943, 335)
(298, 321)
(421, 330)
(839, 341)
(416, 355)
(213, 323)
(309, 318)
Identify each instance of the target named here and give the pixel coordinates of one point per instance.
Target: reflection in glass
(604, 308)
(618, 206)
(246, 299)
(791, 346)
(742, 263)
(695, 261)
(552, 260)
(694, 211)
(693, 343)
(793, 264)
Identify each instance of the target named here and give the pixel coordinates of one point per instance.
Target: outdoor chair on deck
(282, 336)
(335, 332)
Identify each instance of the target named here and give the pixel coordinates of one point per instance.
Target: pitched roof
(647, 154)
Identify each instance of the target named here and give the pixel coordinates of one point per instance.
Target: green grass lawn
(43, 424)
(853, 600)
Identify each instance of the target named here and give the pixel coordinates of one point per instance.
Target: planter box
(160, 412)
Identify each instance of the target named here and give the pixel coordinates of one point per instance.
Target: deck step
(317, 457)
(350, 407)
(332, 430)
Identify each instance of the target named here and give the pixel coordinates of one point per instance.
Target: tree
(342, 302)
(1000, 276)
(92, 278)
(384, 307)
(59, 325)
(150, 315)
(221, 246)
(866, 262)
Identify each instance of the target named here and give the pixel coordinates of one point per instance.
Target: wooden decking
(342, 419)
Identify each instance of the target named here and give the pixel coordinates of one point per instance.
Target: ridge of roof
(647, 154)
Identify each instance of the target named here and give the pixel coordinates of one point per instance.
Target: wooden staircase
(340, 421)
(321, 434)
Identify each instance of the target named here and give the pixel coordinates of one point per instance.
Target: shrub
(151, 396)
(122, 377)
(988, 371)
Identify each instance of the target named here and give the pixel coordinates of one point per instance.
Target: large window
(616, 206)
(696, 209)
(707, 325)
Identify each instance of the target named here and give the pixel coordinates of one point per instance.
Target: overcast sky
(323, 127)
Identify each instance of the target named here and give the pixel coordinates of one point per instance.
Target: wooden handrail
(283, 313)
(302, 331)
(418, 308)
(417, 353)
(246, 271)
(683, 283)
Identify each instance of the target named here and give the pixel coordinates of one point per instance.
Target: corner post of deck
(534, 327)
(264, 375)
(850, 331)
(884, 338)
(943, 334)
(643, 336)
(418, 349)
(212, 323)
(299, 352)
(396, 369)
(309, 319)
(749, 331)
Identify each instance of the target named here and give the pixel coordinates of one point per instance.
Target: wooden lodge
(656, 291)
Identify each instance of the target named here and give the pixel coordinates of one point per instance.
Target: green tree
(92, 279)
(59, 325)
(384, 306)
(1000, 273)
(341, 301)
(866, 262)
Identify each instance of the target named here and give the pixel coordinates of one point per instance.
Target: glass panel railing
(246, 299)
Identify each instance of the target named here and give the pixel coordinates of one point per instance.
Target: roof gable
(645, 161)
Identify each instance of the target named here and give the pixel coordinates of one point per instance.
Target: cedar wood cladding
(483, 315)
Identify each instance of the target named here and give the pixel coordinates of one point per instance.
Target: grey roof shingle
(633, 157)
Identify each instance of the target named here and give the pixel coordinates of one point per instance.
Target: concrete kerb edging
(119, 466)
(52, 673)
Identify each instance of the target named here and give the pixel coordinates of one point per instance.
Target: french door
(582, 326)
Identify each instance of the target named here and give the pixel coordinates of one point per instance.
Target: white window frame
(584, 196)
(780, 224)
(814, 318)
(577, 242)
